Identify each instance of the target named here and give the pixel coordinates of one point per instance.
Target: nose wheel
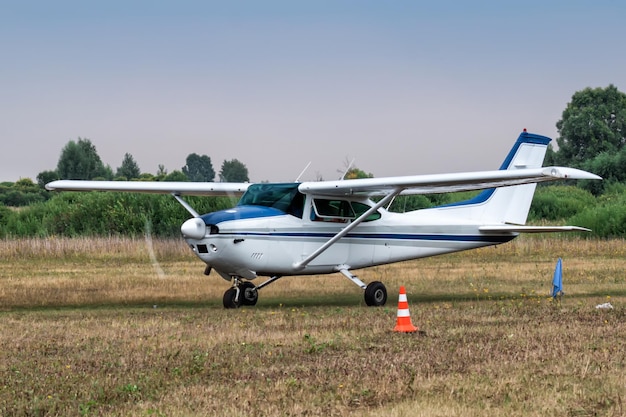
(231, 298)
(243, 293)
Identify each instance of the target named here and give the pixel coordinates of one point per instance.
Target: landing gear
(248, 293)
(232, 298)
(375, 291)
(244, 293)
(375, 294)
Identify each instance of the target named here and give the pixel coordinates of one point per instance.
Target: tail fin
(507, 204)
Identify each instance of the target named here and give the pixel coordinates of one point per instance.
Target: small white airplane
(286, 229)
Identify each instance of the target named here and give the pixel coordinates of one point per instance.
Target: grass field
(120, 327)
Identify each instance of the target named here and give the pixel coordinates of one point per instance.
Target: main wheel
(249, 294)
(230, 298)
(375, 294)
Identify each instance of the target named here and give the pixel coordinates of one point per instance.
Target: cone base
(405, 328)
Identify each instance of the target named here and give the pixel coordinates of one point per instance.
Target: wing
(152, 187)
(443, 183)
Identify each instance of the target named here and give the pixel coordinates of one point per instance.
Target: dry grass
(95, 327)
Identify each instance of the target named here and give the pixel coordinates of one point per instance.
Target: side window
(340, 211)
(332, 210)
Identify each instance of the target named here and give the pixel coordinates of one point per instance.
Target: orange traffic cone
(404, 317)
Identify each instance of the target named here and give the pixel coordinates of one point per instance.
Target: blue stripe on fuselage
(389, 236)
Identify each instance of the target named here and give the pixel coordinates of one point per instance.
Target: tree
(356, 173)
(80, 161)
(176, 176)
(234, 171)
(45, 177)
(161, 170)
(352, 172)
(25, 183)
(592, 123)
(129, 168)
(199, 168)
(162, 173)
(107, 174)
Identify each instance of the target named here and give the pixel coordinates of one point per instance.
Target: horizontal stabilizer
(531, 229)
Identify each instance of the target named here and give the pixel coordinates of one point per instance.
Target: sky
(401, 87)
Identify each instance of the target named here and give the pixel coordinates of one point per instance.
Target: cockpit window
(284, 197)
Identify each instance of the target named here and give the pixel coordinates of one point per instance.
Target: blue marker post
(557, 281)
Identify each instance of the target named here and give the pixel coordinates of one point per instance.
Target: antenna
(347, 169)
(302, 173)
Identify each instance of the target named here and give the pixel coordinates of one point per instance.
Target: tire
(249, 294)
(375, 294)
(229, 298)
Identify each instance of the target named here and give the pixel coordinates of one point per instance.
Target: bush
(608, 218)
(608, 221)
(105, 214)
(558, 202)
(22, 193)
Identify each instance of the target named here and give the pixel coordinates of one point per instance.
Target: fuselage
(259, 240)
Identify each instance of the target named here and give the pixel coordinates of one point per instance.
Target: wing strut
(300, 265)
(186, 205)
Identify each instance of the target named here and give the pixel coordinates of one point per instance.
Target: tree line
(79, 160)
(591, 137)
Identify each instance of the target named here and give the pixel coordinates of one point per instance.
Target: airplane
(309, 228)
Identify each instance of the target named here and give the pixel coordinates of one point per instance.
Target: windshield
(284, 197)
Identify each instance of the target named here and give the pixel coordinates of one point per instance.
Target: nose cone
(193, 228)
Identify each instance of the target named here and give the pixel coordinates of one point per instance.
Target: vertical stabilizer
(506, 204)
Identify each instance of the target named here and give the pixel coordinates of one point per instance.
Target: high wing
(153, 187)
(443, 183)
